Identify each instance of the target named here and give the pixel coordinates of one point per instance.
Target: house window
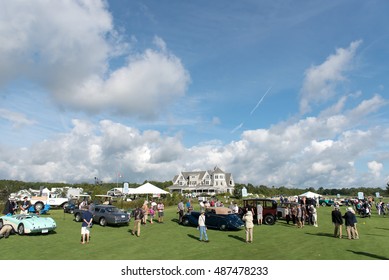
(216, 177)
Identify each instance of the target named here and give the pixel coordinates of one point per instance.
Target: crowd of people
(141, 215)
(299, 214)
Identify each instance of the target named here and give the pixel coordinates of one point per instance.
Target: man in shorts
(87, 221)
(160, 209)
(259, 214)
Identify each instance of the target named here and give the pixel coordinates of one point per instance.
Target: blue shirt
(86, 215)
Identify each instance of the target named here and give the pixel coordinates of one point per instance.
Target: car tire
(65, 205)
(78, 217)
(223, 227)
(103, 222)
(39, 206)
(324, 204)
(21, 229)
(185, 222)
(1, 223)
(269, 220)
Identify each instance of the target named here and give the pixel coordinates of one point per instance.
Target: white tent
(148, 189)
(310, 195)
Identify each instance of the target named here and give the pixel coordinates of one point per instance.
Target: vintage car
(29, 223)
(74, 202)
(215, 217)
(281, 208)
(326, 202)
(105, 215)
(269, 209)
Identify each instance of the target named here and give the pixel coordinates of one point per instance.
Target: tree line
(284, 191)
(11, 186)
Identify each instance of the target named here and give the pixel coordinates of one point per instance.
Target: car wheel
(78, 217)
(71, 211)
(323, 204)
(1, 223)
(185, 222)
(223, 227)
(38, 206)
(103, 222)
(65, 205)
(269, 220)
(21, 229)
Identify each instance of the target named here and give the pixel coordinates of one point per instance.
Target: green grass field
(170, 241)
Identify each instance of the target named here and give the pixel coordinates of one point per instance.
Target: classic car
(29, 223)
(43, 210)
(281, 208)
(74, 202)
(269, 206)
(326, 202)
(215, 217)
(105, 215)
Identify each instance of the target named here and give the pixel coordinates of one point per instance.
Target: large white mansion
(209, 182)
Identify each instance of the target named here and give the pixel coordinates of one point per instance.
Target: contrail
(236, 128)
(259, 102)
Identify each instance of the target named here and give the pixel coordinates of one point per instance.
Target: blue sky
(279, 93)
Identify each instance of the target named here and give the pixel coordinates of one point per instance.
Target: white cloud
(145, 87)
(17, 119)
(375, 167)
(320, 81)
(68, 54)
(310, 152)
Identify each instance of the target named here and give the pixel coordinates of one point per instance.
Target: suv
(269, 209)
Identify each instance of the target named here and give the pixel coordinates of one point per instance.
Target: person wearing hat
(349, 219)
(25, 205)
(10, 207)
(202, 227)
(249, 225)
(337, 220)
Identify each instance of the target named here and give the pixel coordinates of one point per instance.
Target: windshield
(112, 209)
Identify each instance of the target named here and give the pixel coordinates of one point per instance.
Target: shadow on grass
(193, 237)
(325, 234)
(287, 225)
(374, 256)
(174, 220)
(376, 235)
(382, 228)
(237, 237)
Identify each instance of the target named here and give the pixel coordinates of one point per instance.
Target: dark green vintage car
(326, 202)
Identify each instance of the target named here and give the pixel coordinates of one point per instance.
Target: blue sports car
(215, 217)
(28, 223)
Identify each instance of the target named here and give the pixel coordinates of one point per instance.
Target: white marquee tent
(310, 195)
(147, 189)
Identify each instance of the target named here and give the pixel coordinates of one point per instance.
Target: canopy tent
(148, 189)
(310, 195)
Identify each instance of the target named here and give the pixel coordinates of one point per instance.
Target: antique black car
(215, 217)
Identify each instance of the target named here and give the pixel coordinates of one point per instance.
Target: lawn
(170, 241)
